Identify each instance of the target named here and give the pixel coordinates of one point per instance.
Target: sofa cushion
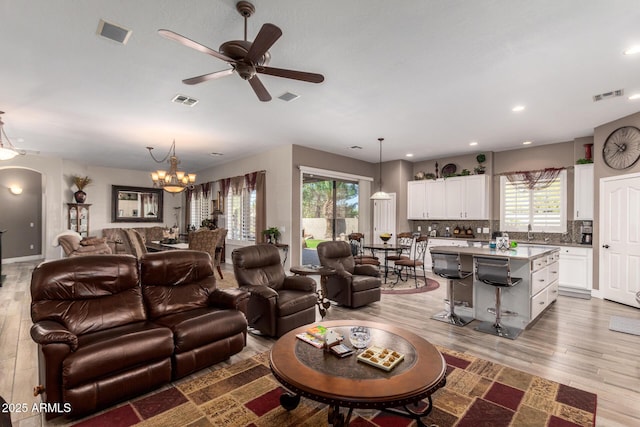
(87, 294)
(175, 281)
(290, 301)
(115, 350)
(199, 327)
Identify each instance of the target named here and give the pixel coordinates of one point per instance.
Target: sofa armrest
(366, 270)
(299, 283)
(261, 291)
(50, 332)
(229, 298)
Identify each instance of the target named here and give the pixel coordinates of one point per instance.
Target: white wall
(58, 190)
(277, 164)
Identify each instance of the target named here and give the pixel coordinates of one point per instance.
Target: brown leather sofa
(352, 285)
(110, 327)
(278, 303)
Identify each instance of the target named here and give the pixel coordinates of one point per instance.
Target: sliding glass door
(329, 208)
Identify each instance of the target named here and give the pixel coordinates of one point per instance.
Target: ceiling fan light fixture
(7, 149)
(380, 195)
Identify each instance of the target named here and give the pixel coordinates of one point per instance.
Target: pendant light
(380, 195)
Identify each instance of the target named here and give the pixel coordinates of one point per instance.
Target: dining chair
(410, 265)
(356, 241)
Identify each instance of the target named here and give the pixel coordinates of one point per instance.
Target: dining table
(386, 248)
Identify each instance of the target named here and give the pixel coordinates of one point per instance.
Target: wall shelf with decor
(78, 218)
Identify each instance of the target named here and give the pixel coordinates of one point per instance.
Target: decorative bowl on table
(360, 336)
(385, 237)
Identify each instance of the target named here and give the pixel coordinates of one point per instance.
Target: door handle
(605, 246)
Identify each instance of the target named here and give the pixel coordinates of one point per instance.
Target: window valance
(533, 180)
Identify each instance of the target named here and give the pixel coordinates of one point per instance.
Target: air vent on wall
(607, 95)
(185, 100)
(113, 32)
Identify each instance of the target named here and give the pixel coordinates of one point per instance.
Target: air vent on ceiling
(607, 95)
(288, 96)
(113, 32)
(185, 100)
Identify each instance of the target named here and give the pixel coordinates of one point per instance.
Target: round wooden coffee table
(316, 374)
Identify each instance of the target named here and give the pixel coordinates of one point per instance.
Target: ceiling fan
(246, 58)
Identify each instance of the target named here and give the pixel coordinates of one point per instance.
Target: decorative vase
(587, 151)
(80, 196)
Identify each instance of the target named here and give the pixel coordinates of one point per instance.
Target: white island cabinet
(539, 270)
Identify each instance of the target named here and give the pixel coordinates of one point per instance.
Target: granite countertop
(525, 252)
(532, 243)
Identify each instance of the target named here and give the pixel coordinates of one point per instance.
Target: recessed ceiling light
(216, 154)
(635, 96)
(526, 143)
(517, 108)
(632, 50)
(409, 155)
(473, 143)
(355, 147)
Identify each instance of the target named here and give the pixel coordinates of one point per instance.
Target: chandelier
(7, 150)
(174, 181)
(380, 195)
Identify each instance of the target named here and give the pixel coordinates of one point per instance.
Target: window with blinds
(241, 215)
(544, 209)
(200, 209)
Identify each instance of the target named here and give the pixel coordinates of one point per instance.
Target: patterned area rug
(478, 393)
(409, 286)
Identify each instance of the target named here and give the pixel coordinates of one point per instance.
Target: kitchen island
(538, 267)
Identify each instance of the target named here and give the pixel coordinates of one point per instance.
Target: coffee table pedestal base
(290, 401)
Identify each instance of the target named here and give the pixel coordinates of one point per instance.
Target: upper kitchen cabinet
(464, 197)
(426, 199)
(583, 192)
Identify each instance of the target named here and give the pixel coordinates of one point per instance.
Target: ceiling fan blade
(291, 74)
(210, 76)
(267, 36)
(193, 45)
(259, 89)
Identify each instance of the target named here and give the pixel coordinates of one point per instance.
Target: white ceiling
(429, 76)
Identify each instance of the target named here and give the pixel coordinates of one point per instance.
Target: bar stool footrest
(447, 317)
(498, 330)
(502, 313)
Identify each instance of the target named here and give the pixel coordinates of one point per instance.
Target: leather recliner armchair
(352, 285)
(278, 303)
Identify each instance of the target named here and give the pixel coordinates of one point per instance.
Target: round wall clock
(622, 148)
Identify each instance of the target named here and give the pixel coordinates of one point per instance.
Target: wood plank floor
(570, 344)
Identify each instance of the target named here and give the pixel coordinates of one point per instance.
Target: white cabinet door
(436, 202)
(583, 192)
(575, 268)
(455, 194)
(416, 200)
(476, 203)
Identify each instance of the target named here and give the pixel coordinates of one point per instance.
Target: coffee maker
(586, 230)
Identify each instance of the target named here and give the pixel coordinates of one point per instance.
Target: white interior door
(620, 238)
(384, 217)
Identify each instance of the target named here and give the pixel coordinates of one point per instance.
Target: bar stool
(496, 272)
(448, 266)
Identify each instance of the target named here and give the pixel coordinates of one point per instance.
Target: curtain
(533, 180)
(237, 182)
(261, 205)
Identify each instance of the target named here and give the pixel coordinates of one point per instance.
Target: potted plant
(272, 233)
(80, 182)
(480, 158)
